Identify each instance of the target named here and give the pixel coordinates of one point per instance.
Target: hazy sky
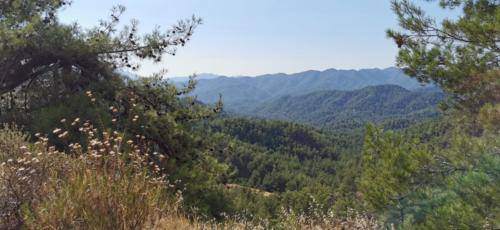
(252, 37)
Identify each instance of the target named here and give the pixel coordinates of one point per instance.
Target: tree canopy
(35, 44)
(460, 55)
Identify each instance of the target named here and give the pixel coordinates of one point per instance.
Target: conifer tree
(35, 44)
(460, 55)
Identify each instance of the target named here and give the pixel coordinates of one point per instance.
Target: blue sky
(252, 37)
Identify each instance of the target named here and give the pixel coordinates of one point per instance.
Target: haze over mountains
(331, 98)
(238, 90)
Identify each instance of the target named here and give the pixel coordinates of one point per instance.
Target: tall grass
(99, 187)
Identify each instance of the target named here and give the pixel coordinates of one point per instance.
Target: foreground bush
(98, 187)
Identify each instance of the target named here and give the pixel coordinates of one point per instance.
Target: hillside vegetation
(353, 109)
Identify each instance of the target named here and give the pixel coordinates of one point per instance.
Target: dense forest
(84, 146)
(387, 104)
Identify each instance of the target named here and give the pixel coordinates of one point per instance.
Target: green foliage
(447, 185)
(279, 156)
(295, 163)
(53, 75)
(450, 178)
(390, 166)
(391, 105)
(460, 55)
(38, 53)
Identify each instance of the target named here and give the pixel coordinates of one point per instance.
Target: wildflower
(63, 135)
(93, 142)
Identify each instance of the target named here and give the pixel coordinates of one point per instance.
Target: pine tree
(460, 55)
(35, 44)
(452, 181)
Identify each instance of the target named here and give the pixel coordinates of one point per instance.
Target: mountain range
(327, 99)
(237, 91)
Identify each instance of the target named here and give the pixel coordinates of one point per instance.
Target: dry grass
(99, 187)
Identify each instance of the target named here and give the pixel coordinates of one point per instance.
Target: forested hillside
(353, 109)
(291, 156)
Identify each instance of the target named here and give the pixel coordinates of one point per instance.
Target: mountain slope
(246, 92)
(349, 109)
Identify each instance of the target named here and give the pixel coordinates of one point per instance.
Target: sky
(254, 37)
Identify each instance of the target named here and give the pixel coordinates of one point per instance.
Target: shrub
(111, 183)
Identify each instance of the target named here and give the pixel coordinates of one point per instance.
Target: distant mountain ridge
(246, 92)
(201, 76)
(331, 99)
